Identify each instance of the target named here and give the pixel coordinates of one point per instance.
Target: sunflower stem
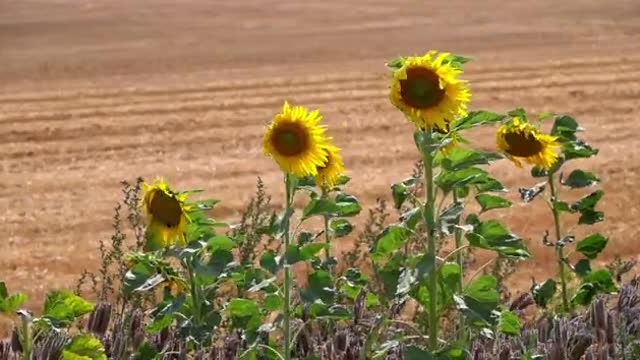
(559, 249)
(327, 234)
(459, 261)
(429, 219)
(289, 183)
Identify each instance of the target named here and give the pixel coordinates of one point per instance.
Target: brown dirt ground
(95, 92)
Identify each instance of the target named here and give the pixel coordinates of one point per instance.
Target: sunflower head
(329, 173)
(521, 140)
(428, 91)
(295, 140)
(166, 213)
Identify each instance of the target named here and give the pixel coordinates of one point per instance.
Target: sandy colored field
(94, 92)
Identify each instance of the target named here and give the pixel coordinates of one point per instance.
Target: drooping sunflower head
(167, 213)
(521, 140)
(295, 140)
(329, 173)
(427, 89)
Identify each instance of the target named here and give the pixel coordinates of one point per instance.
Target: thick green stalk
(287, 271)
(429, 219)
(327, 235)
(559, 249)
(26, 341)
(459, 261)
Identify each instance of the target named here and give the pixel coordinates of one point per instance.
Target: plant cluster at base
(410, 289)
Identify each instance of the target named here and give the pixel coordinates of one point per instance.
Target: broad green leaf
(582, 267)
(220, 242)
(477, 118)
(218, 262)
(390, 273)
(590, 217)
(490, 202)
(84, 347)
(519, 112)
(146, 352)
(545, 115)
(492, 235)
(596, 282)
(563, 207)
(543, 293)
(589, 201)
(565, 127)
(480, 299)
(460, 158)
(539, 172)
(391, 239)
(580, 179)
(411, 218)
(509, 323)
(320, 206)
(340, 227)
(348, 205)
(399, 193)
(63, 307)
(273, 302)
(10, 304)
(592, 245)
(268, 262)
(310, 250)
(489, 184)
(320, 286)
(245, 314)
(578, 150)
(448, 180)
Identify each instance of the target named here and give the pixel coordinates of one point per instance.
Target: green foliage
(84, 347)
(543, 293)
(492, 235)
(10, 303)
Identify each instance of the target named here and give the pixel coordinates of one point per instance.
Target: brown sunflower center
(166, 209)
(421, 89)
(290, 139)
(523, 144)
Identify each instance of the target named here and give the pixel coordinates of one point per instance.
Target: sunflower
(455, 137)
(166, 212)
(428, 91)
(295, 140)
(329, 173)
(520, 140)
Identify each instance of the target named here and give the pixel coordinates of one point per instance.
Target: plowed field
(92, 93)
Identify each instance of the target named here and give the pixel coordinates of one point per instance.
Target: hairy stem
(559, 249)
(459, 261)
(429, 220)
(287, 269)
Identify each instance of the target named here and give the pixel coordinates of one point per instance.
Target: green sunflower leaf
(391, 239)
(543, 293)
(565, 127)
(340, 227)
(492, 235)
(477, 118)
(399, 193)
(348, 205)
(578, 150)
(520, 113)
(449, 180)
(582, 267)
(589, 201)
(489, 184)
(580, 179)
(245, 314)
(479, 300)
(84, 347)
(61, 308)
(596, 282)
(592, 245)
(490, 202)
(509, 323)
(320, 287)
(269, 262)
(460, 158)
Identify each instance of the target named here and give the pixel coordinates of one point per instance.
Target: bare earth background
(94, 92)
